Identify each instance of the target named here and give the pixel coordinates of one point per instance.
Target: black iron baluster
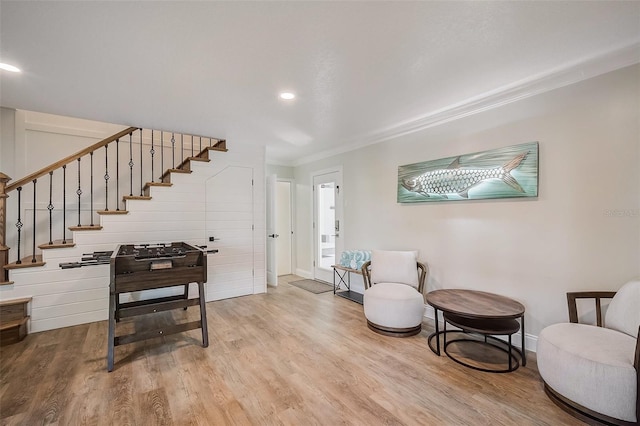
(192, 145)
(33, 251)
(162, 155)
(117, 175)
(173, 151)
(106, 178)
(50, 208)
(181, 149)
(131, 164)
(141, 183)
(152, 151)
(79, 192)
(19, 223)
(200, 144)
(64, 204)
(91, 188)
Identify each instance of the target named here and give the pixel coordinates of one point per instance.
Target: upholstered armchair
(592, 372)
(393, 297)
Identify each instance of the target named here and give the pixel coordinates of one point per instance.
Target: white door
(284, 227)
(229, 227)
(327, 223)
(272, 213)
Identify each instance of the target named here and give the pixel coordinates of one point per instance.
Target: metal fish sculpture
(458, 180)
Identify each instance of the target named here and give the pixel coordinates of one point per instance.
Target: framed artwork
(498, 173)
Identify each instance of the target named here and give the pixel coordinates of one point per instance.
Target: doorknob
(273, 235)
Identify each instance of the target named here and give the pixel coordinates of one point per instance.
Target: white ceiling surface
(359, 68)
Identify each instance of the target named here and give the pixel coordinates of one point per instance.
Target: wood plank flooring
(287, 357)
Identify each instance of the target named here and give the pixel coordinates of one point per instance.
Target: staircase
(119, 187)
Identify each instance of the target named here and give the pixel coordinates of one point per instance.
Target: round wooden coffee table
(482, 313)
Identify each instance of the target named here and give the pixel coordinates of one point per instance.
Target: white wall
(283, 172)
(581, 233)
(7, 133)
(74, 296)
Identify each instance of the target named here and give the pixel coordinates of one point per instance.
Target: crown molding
(556, 78)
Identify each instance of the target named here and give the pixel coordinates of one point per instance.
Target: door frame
(314, 244)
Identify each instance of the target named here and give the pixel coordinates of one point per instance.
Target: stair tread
(85, 228)
(26, 263)
(107, 212)
(167, 174)
(13, 324)
(204, 160)
(6, 283)
(12, 302)
(57, 244)
(136, 197)
(215, 148)
(148, 186)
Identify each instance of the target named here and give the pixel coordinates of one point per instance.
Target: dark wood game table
(478, 312)
(136, 268)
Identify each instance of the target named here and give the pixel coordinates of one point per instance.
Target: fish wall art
(498, 173)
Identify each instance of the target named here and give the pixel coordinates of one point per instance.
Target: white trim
(99, 135)
(66, 131)
(556, 78)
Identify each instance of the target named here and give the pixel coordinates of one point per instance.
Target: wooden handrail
(68, 159)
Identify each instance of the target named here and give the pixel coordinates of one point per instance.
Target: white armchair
(593, 372)
(393, 297)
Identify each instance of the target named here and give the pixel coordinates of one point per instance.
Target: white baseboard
(304, 274)
(531, 341)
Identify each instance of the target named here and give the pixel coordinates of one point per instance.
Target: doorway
(327, 222)
(279, 202)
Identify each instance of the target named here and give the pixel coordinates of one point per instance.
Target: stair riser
(13, 312)
(13, 335)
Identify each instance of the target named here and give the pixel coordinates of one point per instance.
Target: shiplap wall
(178, 213)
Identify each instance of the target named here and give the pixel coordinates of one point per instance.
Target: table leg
(112, 330)
(341, 280)
(435, 311)
(203, 316)
(510, 361)
(444, 332)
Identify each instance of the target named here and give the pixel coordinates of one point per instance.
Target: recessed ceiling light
(287, 96)
(8, 67)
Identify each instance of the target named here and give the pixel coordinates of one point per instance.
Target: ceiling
(361, 70)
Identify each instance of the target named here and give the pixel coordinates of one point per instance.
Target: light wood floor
(286, 357)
